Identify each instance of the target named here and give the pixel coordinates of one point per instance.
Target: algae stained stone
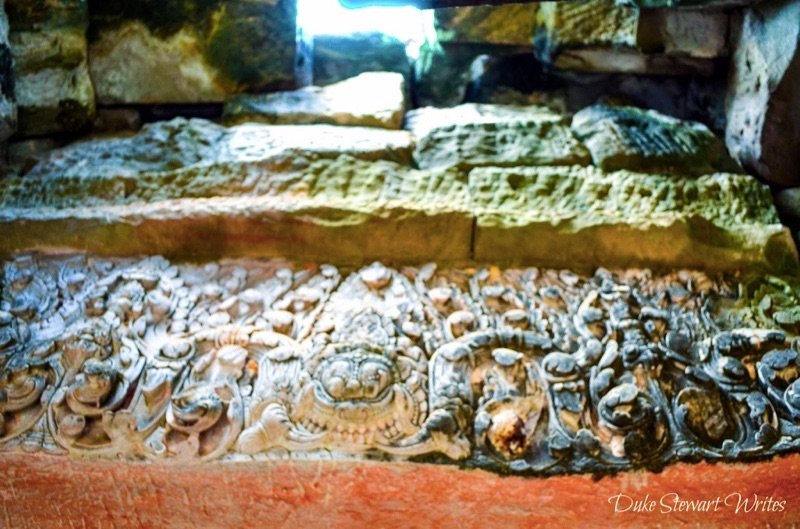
(505, 24)
(563, 216)
(194, 51)
(53, 89)
(194, 189)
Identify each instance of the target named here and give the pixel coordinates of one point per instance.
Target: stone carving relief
(524, 370)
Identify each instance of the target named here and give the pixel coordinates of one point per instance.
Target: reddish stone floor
(40, 491)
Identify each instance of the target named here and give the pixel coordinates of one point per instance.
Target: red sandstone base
(40, 491)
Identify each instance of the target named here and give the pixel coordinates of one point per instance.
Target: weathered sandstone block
(601, 36)
(183, 52)
(194, 189)
(504, 24)
(476, 135)
(371, 99)
(562, 216)
(648, 141)
(52, 86)
(763, 126)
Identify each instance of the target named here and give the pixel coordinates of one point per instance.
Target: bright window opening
(328, 17)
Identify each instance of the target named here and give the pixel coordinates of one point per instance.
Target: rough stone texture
(340, 57)
(184, 52)
(560, 216)
(505, 24)
(645, 140)
(52, 87)
(196, 158)
(192, 188)
(596, 23)
(336, 495)
(8, 106)
(372, 99)
(475, 135)
(763, 102)
(600, 36)
(697, 33)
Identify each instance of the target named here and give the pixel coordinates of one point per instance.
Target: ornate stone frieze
(516, 370)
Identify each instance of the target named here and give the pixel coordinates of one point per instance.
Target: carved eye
(375, 378)
(335, 377)
(335, 386)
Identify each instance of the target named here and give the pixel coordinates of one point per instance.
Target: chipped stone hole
(526, 370)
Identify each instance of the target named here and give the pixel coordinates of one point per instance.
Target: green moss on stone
(254, 43)
(39, 15)
(162, 17)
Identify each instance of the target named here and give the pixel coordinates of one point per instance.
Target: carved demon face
(357, 395)
(355, 377)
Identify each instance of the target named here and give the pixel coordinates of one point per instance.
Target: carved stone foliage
(522, 370)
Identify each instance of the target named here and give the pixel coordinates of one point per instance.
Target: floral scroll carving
(521, 370)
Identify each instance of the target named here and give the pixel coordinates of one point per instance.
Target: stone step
(192, 189)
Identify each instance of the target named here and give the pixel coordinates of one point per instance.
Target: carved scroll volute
(485, 387)
(88, 413)
(206, 414)
(570, 424)
(779, 376)
(295, 312)
(630, 411)
(26, 384)
(731, 360)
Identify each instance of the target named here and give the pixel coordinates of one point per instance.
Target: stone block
(53, 90)
(504, 24)
(648, 141)
(371, 99)
(188, 52)
(563, 216)
(195, 189)
(477, 135)
(340, 57)
(763, 100)
(8, 105)
(192, 189)
(601, 36)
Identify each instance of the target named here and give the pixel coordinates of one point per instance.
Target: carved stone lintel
(522, 370)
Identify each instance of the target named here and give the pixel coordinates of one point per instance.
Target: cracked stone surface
(646, 140)
(473, 135)
(194, 189)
